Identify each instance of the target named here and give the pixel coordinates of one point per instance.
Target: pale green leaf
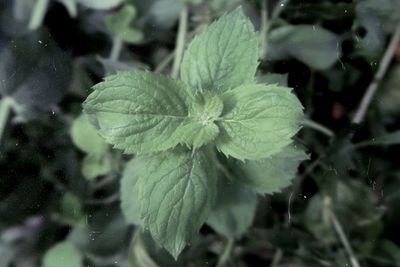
(224, 56)
(119, 24)
(203, 112)
(94, 165)
(64, 254)
(258, 121)
(130, 203)
(142, 112)
(100, 4)
(272, 174)
(311, 44)
(234, 209)
(177, 191)
(86, 138)
(139, 111)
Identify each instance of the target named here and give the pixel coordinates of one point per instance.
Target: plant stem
(116, 48)
(279, 8)
(38, 13)
(318, 127)
(372, 88)
(264, 28)
(277, 258)
(342, 236)
(164, 63)
(5, 109)
(226, 254)
(180, 41)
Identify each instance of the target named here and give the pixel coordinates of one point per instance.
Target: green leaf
(139, 112)
(272, 174)
(234, 209)
(311, 44)
(100, 4)
(203, 112)
(258, 121)
(130, 202)
(64, 254)
(44, 72)
(86, 138)
(94, 165)
(142, 112)
(224, 56)
(177, 191)
(119, 24)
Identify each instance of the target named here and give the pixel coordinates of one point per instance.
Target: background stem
(38, 13)
(226, 254)
(372, 88)
(5, 108)
(116, 48)
(180, 41)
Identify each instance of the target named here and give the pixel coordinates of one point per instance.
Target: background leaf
(86, 138)
(64, 254)
(311, 44)
(234, 209)
(274, 173)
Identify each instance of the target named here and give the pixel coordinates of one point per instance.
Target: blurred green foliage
(60, 202)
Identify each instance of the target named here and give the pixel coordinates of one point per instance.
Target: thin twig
(5, 109)
(164, 63)
(342, 236)
(277, 258)
(180, 41)
(279, 8)
(264, 28)
(226, 254)
(372, 88)
(116, 48)
(38, 13)
(318, 127)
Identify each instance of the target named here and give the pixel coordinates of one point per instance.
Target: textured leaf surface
(86, 138)
(142, 112)
(224, 56)
(274, 173)
(203, 112)
(130, 203)
(234, 209)
(313, 45)
(139, 111)
(258, 121)
(177, 191)
(64, 254)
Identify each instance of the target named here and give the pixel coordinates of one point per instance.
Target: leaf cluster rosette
(176, 129)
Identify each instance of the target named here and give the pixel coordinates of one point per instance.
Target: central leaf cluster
(173, 125)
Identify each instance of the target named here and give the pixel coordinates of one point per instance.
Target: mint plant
(180, 131)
